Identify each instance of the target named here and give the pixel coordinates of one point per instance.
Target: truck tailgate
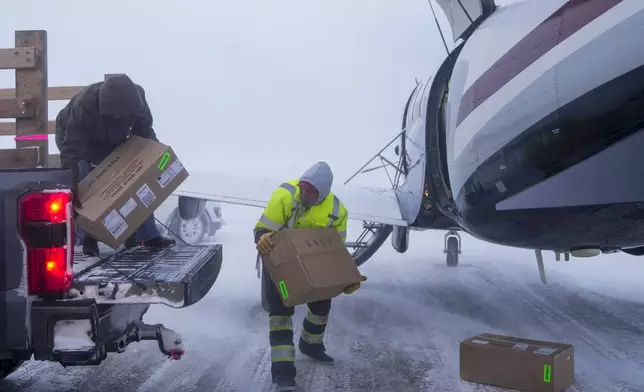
(177, 277)
(14, 302)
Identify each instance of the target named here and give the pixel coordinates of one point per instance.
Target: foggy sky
(247, 86)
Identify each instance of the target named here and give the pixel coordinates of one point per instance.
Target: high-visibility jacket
(284, 210)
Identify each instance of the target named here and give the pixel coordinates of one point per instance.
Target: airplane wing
(366, 204)
(462, 14)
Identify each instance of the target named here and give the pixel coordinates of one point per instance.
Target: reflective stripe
(290, 188)
(315, 319)
(311, 338)
(269, 223)
(283, 354)
(335, 212)
(296, 205)
(343, 234)
(295, 212)
(280, 323)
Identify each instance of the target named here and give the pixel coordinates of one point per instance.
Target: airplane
(528, 135)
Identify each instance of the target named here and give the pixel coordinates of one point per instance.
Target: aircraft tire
(379, 238)
(452, 252)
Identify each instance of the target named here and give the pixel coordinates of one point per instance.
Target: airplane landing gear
(452, 247)
(566, 256)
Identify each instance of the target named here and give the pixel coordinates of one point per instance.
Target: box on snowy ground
(516, 363)
(125, 189)
(310, 264)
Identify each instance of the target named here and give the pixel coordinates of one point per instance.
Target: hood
(120, 96)
(321, 177)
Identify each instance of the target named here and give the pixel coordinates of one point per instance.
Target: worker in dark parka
(94, 122)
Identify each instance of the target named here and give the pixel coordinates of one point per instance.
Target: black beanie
(120, 96)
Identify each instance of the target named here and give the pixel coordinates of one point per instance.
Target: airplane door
(410, 193)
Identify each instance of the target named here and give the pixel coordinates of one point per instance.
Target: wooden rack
(28, 102)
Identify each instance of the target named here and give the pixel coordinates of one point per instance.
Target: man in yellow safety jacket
(306, 202)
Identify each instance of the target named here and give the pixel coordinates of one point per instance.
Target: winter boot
(90, 247)
(316, 352)
(285, 384)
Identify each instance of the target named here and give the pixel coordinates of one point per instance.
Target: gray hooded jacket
(321, 177)
(318, 175)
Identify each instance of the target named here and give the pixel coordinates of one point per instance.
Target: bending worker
(96, 121)
(307, 202)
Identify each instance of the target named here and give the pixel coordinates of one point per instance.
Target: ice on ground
(73, 335)
(400, 332)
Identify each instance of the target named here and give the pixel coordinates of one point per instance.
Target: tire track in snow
(252, 352)
(567, 314)
(586, 320)
(400, 332)
(438, 332)
(222, 359)
(140, 359)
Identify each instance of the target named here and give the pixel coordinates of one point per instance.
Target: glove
(355, 286)
(265, 243)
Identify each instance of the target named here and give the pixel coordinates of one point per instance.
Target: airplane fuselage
(530, 133)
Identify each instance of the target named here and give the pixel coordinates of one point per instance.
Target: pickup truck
(57, 306)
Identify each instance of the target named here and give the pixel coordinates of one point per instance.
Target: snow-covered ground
(400, 332)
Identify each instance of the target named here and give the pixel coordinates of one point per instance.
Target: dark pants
(147, 230)
(281, 329)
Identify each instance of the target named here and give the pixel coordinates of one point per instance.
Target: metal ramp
(178, 277)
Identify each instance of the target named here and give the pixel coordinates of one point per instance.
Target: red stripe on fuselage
(563, 23)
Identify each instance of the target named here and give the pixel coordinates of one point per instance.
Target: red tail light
(46, 227)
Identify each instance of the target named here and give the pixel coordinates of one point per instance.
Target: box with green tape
(310, 264)
(517, 363)
(123, 190)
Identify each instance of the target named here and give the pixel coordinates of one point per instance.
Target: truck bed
(108, 298)
(177, 277)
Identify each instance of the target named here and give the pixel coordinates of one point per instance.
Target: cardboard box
(310, 264)
(126, 188)
(516, 363)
